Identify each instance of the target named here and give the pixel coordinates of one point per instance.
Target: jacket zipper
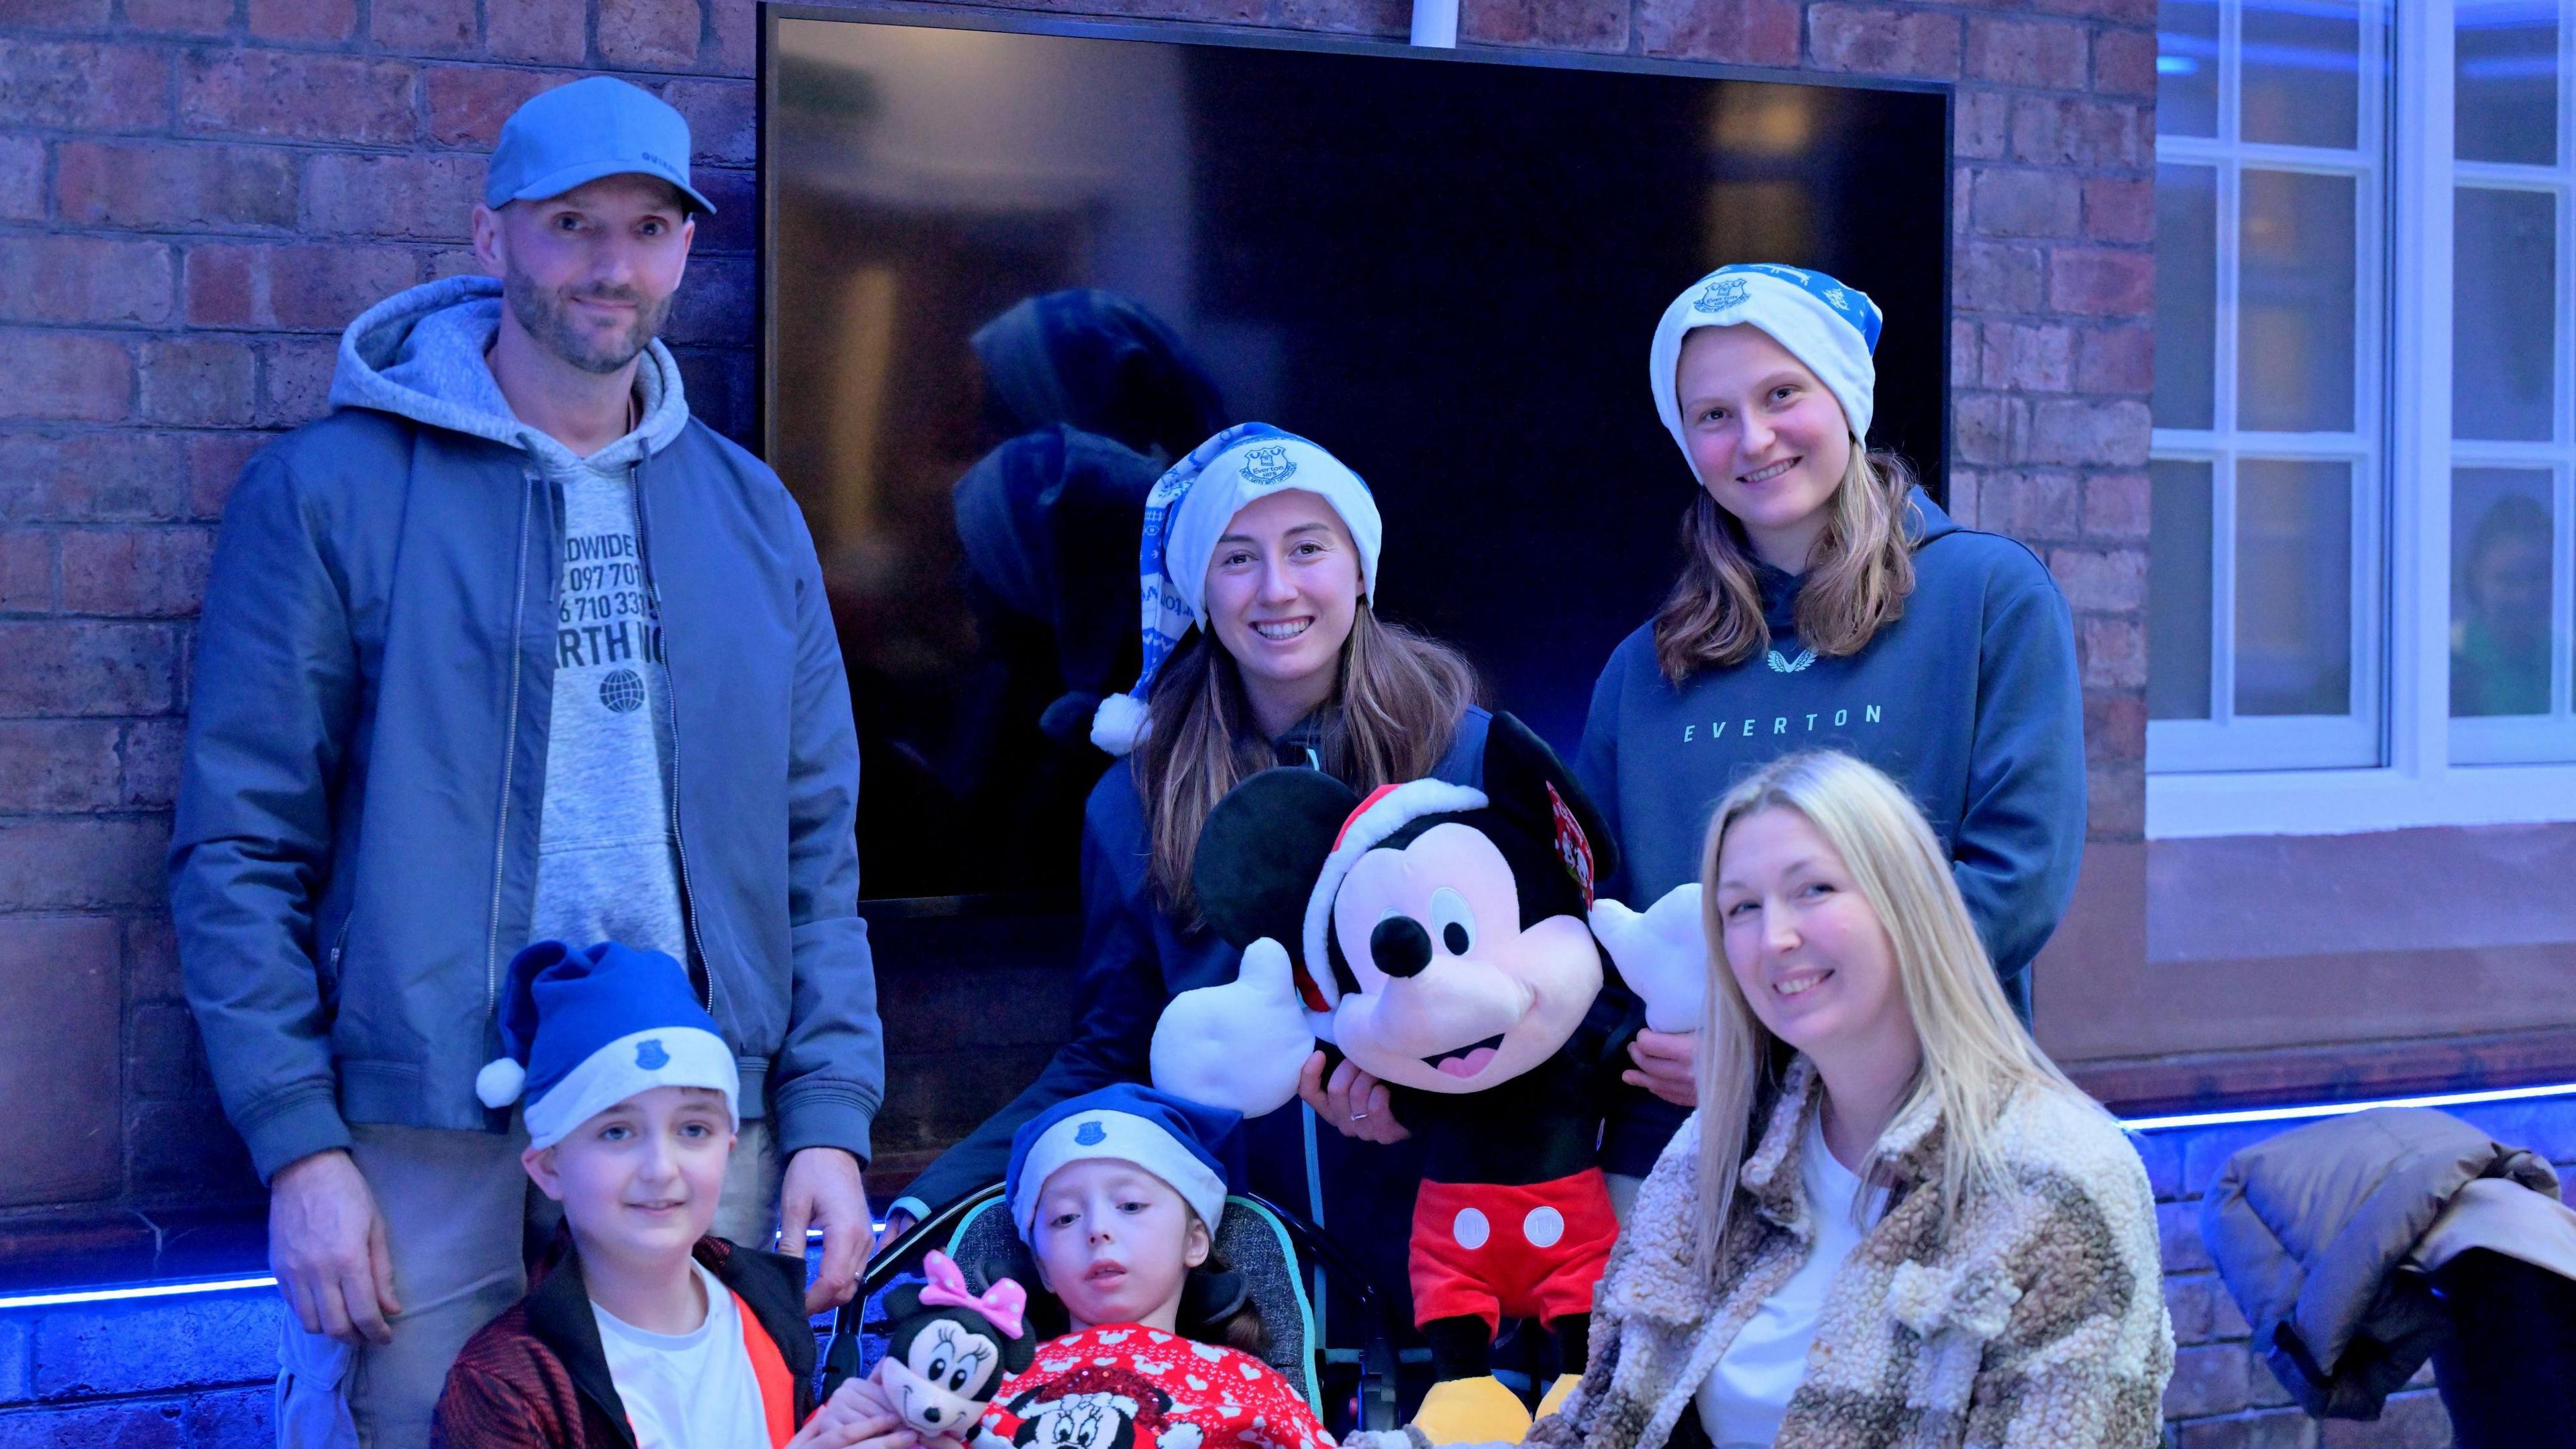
(671, 683)
(509, 753)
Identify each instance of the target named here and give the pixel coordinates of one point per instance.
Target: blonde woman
(1892, 1220)
(1826, 603)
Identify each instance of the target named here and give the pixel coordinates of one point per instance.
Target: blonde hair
(1976, 1053)
(1396, 701)
(1855, 584)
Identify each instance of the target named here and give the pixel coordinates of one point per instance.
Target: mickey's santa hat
(582, 1031)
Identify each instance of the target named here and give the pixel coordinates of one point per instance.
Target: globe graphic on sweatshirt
(622, 690)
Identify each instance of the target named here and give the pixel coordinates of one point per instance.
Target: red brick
(2115, 808)
(63, 1053)
(412, 26)
(84, 668)
(26, 571)
(1983, 124)
(138, 573)
(78, 86)
(1963, 352)
(2094, 282)
(152, 960)
(2107, 581)
(1966, 487)
(1883, 39)
(2119, 359)
(295, 381)
(2115, 733)
(2063, 130)
(1995, 277)
(93, 477)
(429, 197)
(1386, 19)
(724, 121)
(187, 17)
(737, 35)
(715, 305)
(74, 865)
(1989, 427)
(650, 34)
(736, 225)
(2114, 653)
(214, 465)
(2413, 1420)
(468, 103)
(2038, 506)
(2120, 209)
(2124, 63)
(301, 286)
(83, 279)
(2016, 357)
(199, 381)
(2026, 203)
(549, 31)
(151, 750)
(154, 184)
(2256, 1430)
(304, 19)
(2072, 430)
(22, 178)
(60, 375)
(2115, 506)
(719, 387)
(449, 262)
(59, 765)
(297, 94)
(2040, 54)
(58, 14)
(1557, 24)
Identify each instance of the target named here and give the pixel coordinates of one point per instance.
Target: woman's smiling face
(1282, 589)
(1768, 441)
(1803, 943)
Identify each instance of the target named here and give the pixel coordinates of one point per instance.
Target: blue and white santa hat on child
(582, 1031)
(1187, 513)
(1171, 1137)
(1831, 328)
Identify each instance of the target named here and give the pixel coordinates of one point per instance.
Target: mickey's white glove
(1239, 1045)
(1662, 953)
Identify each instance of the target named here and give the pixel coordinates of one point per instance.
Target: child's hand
(856, 1417)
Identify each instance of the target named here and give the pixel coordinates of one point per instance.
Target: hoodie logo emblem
(1090, 1134)
(1267, 464)
(650, 1056)
(1723, 293)
(621, 691)
(1791, 666)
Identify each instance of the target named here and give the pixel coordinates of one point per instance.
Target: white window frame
(2417, 784)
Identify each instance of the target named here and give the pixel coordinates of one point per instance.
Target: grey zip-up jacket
(354, 858)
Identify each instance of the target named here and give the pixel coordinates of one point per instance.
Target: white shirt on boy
(692, 1390)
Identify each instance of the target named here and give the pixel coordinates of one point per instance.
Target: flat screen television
(1442, 265)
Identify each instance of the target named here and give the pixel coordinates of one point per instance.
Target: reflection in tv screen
(1013, 274)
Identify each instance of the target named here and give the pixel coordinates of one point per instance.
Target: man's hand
(898, 1223)
(823, 1190)
(326, 1244)
(1667, 1065)
(1357, 1104)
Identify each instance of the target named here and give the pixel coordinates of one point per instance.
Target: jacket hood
(418, 354)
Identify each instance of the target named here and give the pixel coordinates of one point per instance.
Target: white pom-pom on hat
(498, 1084)
(1120, 724)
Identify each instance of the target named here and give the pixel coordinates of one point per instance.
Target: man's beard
(546, 316)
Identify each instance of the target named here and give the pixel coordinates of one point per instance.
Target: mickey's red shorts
(1520, 1252)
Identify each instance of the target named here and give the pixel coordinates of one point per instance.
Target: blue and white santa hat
(582, 1031)
(1175, 1139)
(1831, 328)
(1187, 513)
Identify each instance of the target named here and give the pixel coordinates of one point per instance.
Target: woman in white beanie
(1259, 565)
(1826, 602)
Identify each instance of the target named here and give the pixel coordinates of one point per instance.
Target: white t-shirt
(692, 1390)
(1743, 1398)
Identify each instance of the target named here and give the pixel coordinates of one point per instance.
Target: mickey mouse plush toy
(1437, 936)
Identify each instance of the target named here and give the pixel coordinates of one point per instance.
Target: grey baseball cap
(596, 127)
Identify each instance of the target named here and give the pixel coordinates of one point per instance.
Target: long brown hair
(1395, 708)
(1862, 570)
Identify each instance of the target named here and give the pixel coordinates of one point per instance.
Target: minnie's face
(1453, 995)
(942, 1381)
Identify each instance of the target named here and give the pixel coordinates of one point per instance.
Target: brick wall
(195, 195)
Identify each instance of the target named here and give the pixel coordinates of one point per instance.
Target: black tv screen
(1444, 266)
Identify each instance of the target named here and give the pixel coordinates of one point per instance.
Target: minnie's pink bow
(1003, 1305)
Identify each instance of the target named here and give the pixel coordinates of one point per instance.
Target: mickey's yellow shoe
(1554, 1398)
(1472, 1411)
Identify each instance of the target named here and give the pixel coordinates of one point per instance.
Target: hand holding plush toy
(949, 1349)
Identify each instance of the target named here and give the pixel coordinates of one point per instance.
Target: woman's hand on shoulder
(1355, 1103)
(1667, 1064)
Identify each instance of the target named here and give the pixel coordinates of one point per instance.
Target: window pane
(2178, 591)
(2502, 542)
(2505, 62)
(2295, 355)
(2293, 588)
(2302, 72)
(2504, 277)
(2186, 296)
(2187, 67)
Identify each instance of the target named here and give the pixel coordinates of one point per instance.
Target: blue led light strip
(2341, 1109)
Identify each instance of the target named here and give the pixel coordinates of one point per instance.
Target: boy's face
(1114, 1242)
(640, 1179)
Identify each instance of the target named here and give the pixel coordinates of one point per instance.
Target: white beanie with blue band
(1188, 512)
(1831, 328)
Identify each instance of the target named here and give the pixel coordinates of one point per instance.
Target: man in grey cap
(508, 649)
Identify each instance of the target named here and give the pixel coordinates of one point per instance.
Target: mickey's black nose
(1400, 946)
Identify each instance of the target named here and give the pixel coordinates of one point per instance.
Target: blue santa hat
(1171, 1137)
(1187, 513)
(1831, 328)
(582, 1031)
